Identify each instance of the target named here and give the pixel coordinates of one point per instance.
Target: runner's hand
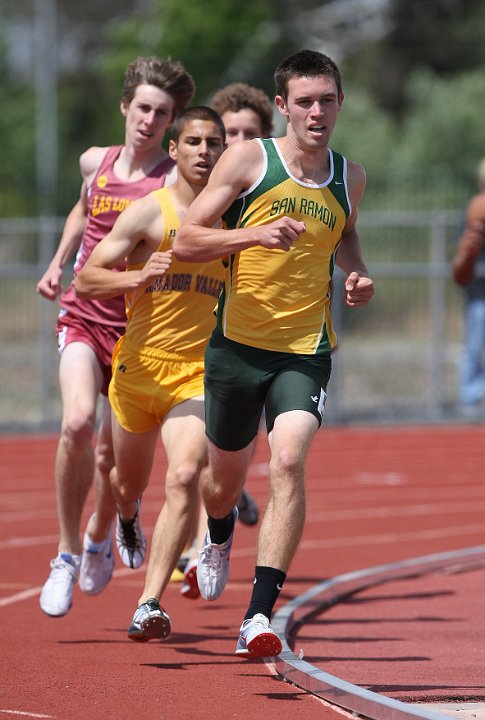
(49, 286)
(280, 234)
(156, 266)
(359, 289)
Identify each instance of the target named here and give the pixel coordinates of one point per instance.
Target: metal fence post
(438, 277)
(47, 232)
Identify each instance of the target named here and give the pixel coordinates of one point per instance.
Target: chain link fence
(396, 361)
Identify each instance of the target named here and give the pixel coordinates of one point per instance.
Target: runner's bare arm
(134, 236)
(359, 287)
(49, 286)
(198, 240)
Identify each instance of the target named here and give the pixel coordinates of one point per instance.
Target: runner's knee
(77, 429)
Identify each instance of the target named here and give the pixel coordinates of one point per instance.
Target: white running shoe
(213, 565)
(97, 564)
(56, 596)
(257, 638)
(130, 539)
(150, 622)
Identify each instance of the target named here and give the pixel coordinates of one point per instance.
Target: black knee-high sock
(221, 529)
(268, 582)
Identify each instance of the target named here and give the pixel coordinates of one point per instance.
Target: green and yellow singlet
(277, 300)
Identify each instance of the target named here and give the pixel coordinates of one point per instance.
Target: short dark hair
(306, 63)
(169, 76)
(239, 96)
(197, 112)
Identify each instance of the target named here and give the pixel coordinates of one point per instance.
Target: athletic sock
(94, 547)
(220, 530)
(268, 583)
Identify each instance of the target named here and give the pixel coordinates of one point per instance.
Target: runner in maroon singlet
(154, 91)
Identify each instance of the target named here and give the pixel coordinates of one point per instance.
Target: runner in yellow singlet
(290, 208)
(158, 365)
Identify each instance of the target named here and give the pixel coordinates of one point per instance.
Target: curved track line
(337, 691)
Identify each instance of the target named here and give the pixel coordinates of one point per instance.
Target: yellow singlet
(176, 313)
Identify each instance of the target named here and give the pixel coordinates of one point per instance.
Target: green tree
(413, 74)
(17, 176)
(445, 36)
(443, 132)
(365, 133)
(218, 41)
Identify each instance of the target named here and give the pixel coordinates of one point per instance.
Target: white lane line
(23, 713)
(32, 592)
(382, 539)
(386, 538)
(23, 515)
(328, 542)
(305, 546)
(445, 508)
(451, 507)
(24, 595)
(328, 516)
(29, 541)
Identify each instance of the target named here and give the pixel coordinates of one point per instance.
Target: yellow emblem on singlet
(102, 181)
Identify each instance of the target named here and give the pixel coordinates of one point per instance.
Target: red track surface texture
(374, 496)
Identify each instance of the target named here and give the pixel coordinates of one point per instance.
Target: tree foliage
(445, 36)
(217, 40)
(18, 148)
(442, 132)
(413, 74)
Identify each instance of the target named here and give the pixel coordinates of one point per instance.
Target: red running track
(418, 640)
(375, 496)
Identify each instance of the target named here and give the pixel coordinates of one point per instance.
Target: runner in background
(247, 113)
(154, 90)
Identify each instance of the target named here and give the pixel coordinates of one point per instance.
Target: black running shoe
(130, 540)
(248, 510)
